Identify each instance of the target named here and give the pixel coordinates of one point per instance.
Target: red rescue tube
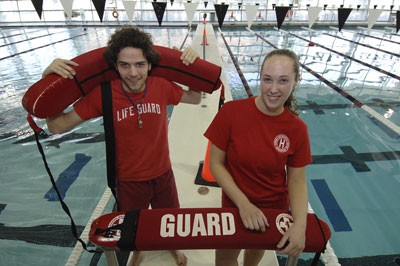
(210, 228)
(52, 94)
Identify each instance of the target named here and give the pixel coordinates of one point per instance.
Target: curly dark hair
(130, 36)
(291, 102)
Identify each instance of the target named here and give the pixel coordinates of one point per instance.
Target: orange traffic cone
(206, 173)
(204, 37)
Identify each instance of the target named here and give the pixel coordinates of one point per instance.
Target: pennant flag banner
(205, 4)
(281, 12)
(251, 12)
(190, 10)
(172, 2)
(99, 5)
(343, 15)
(221, 10)
(67, 5)
(397, 21)
(38, 4)
(313, 15)
(373, 17)
(130, 8)
(159, 8)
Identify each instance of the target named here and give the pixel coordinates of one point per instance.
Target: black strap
(79, 86)
(106, 94)
(64, 206)
(318, 254)
(128, 229)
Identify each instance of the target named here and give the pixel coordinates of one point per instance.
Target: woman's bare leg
(252, 257)
(226, 257)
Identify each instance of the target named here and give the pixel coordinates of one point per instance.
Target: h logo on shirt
(281, 143)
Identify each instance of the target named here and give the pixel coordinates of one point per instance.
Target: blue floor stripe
(332, 208)
(2, 207)
(68, 177)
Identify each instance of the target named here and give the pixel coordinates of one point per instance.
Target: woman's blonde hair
(291, 102)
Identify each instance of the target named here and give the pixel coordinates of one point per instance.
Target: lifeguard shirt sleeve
(302, 155)
(90, 106)
(219, 131)
(173, 92)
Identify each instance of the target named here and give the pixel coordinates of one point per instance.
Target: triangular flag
(221, 10)
(99, 5)
(397, 21)
(343, 15)
(159, 8)
(67, 5)
(190, 10)
(38, 4)
(205, 4)
(130, 8)
(373, 15)
(313, 14)
(240, 5)
(172, 2)
(280, 12)
(251, 12)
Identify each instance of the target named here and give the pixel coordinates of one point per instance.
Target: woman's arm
(253, 218)
(298, 197)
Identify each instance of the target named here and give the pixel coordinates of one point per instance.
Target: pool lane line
(244, 81)
(367, 35)
(78, 249)
(187, 34)
(21, 33)
(30, 50)
(36, 37)
(358, 43)
(346, 56)
(366, 108)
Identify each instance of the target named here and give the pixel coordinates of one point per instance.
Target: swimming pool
(353, 181)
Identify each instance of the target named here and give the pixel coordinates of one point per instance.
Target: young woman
(259, 150)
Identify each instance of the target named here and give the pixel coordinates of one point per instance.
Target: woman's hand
(295, 238)
(61, 67)
(253, 218)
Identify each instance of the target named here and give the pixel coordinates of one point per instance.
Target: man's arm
(63, 122)
(190, 96)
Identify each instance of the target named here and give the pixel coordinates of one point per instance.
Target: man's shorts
(159, 192)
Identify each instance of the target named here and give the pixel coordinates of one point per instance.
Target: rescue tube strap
(64, 206)
(214, 83)
(108, 122)
(128, 229)
(98, 74)
(318, 254)
(79, 86)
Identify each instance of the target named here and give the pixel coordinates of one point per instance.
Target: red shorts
(159, 192)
